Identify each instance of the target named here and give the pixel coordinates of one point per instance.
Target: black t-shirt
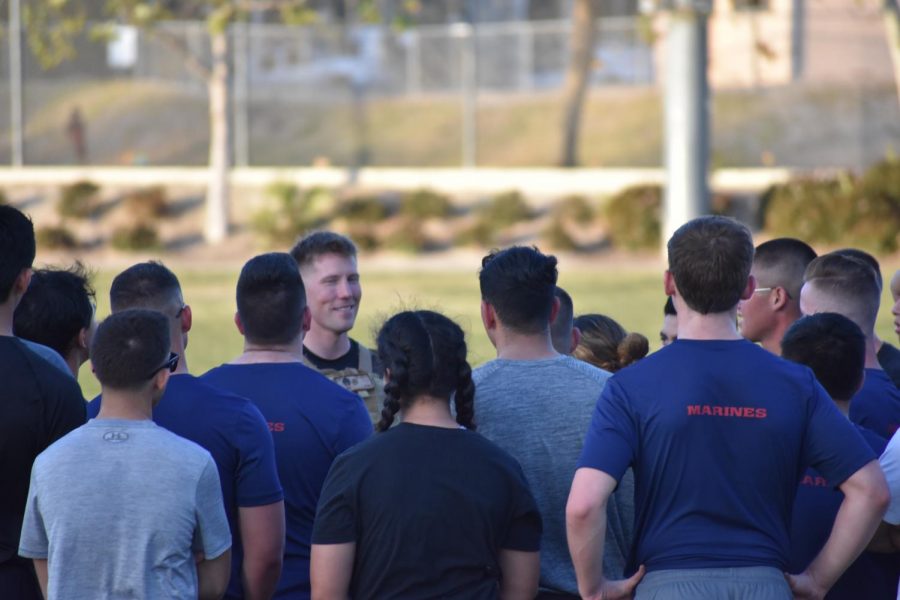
(889, 359)
(350, 360)
(429, 509)
(38, 405)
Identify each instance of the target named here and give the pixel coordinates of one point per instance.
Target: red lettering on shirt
(817, 481)
(743, 412)
(276, 427)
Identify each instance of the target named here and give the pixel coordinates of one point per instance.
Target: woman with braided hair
(427, 508)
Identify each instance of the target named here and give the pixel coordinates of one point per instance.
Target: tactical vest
(362, 382)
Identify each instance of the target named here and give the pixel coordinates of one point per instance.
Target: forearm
(586, 532)
(260, 578)
(855, 524)
(40, 569)
(212, 577)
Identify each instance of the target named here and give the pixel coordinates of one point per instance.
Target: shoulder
(185, 449)
(62, 447)
(579, 368)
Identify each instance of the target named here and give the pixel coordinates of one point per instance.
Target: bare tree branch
(174, 43)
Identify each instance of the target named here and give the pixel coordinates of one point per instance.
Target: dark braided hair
(425, 353)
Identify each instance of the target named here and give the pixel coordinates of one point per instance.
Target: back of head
(782, 262)
(129, 348)
(319, 243)
(424, 353)
(519, 284)
(271, 299)
(833, 346)
(605, 344)
(710, 260)
(844, 285)
(17, 247)
(56, 307)
(145, 285)
(561, 328)
(866, 258)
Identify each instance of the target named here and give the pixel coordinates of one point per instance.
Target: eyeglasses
(171, 364)
(768, 289)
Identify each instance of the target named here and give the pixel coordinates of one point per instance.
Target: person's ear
(779, 297)
(387, 375)
(23, 281)
(82, 338)
(669, 283)
(488, 316)
(187, 318)
(307, 319)
(749, 288)
(161, 379)
(238, 323)
(576, 338)
(554, 309)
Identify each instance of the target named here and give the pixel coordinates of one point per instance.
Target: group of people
(739, 461)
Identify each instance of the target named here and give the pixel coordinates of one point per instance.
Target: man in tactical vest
(328, 267)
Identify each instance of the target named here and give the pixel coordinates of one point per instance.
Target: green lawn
(632, 297)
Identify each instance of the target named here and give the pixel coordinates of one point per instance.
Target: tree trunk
(216, 228)
(892, 32)
(577, 77)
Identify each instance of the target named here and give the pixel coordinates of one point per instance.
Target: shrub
(480, 234)
(364, 238)
(147, 204)
(557, 238)
(3, 198)
(634, 217)
(365, 209)
(409, 237)
(425, 204)
(78, 200)
(506, 209)
(55, 238)
(291, 212)
(135, 238)
(573, 208)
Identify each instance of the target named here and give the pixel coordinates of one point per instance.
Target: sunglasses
(171, 364)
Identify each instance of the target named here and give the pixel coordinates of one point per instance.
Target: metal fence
(377, 95)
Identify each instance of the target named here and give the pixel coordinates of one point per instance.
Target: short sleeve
(257, 481)
(66, 411)
(355, 427)
(33, 543)
(213, 536)
(832, 445)
(890, 464)
(336, 513)
(611, 441)
(525, 527)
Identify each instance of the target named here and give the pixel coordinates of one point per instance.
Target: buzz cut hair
(319, 243)
(850, 286)
(784, 261)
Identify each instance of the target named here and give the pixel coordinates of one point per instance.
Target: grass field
(634, 297)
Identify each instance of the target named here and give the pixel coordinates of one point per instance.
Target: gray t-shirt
(539, 411)
(118, 509)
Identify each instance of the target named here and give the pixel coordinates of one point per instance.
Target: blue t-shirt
(312, 420)
(234, 432)
(872, 575)
(719, 433)
(877, 405)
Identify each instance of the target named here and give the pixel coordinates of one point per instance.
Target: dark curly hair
(425, 353)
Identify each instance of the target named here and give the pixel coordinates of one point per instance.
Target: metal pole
(687, 119)
(242, 95)
(17, 149)
(468, 86)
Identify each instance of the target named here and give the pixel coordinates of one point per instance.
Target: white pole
(15, 84)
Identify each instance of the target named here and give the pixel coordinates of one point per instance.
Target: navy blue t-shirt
(719, 433)
(312, 420)
(872, 576)
(877, 405)
(234, 432)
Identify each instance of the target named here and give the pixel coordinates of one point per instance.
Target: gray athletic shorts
(744, 583)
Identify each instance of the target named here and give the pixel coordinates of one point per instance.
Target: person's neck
(872, 353)
(127, 406)
(713, 326)
(271, 353)
(74, 362)
(326, 344)
(518, 346)
(430, 411)
(772, 340)
(843, 406)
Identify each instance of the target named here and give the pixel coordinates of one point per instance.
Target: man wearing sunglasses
(122, 506)
(230, 427)
(778, 267)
